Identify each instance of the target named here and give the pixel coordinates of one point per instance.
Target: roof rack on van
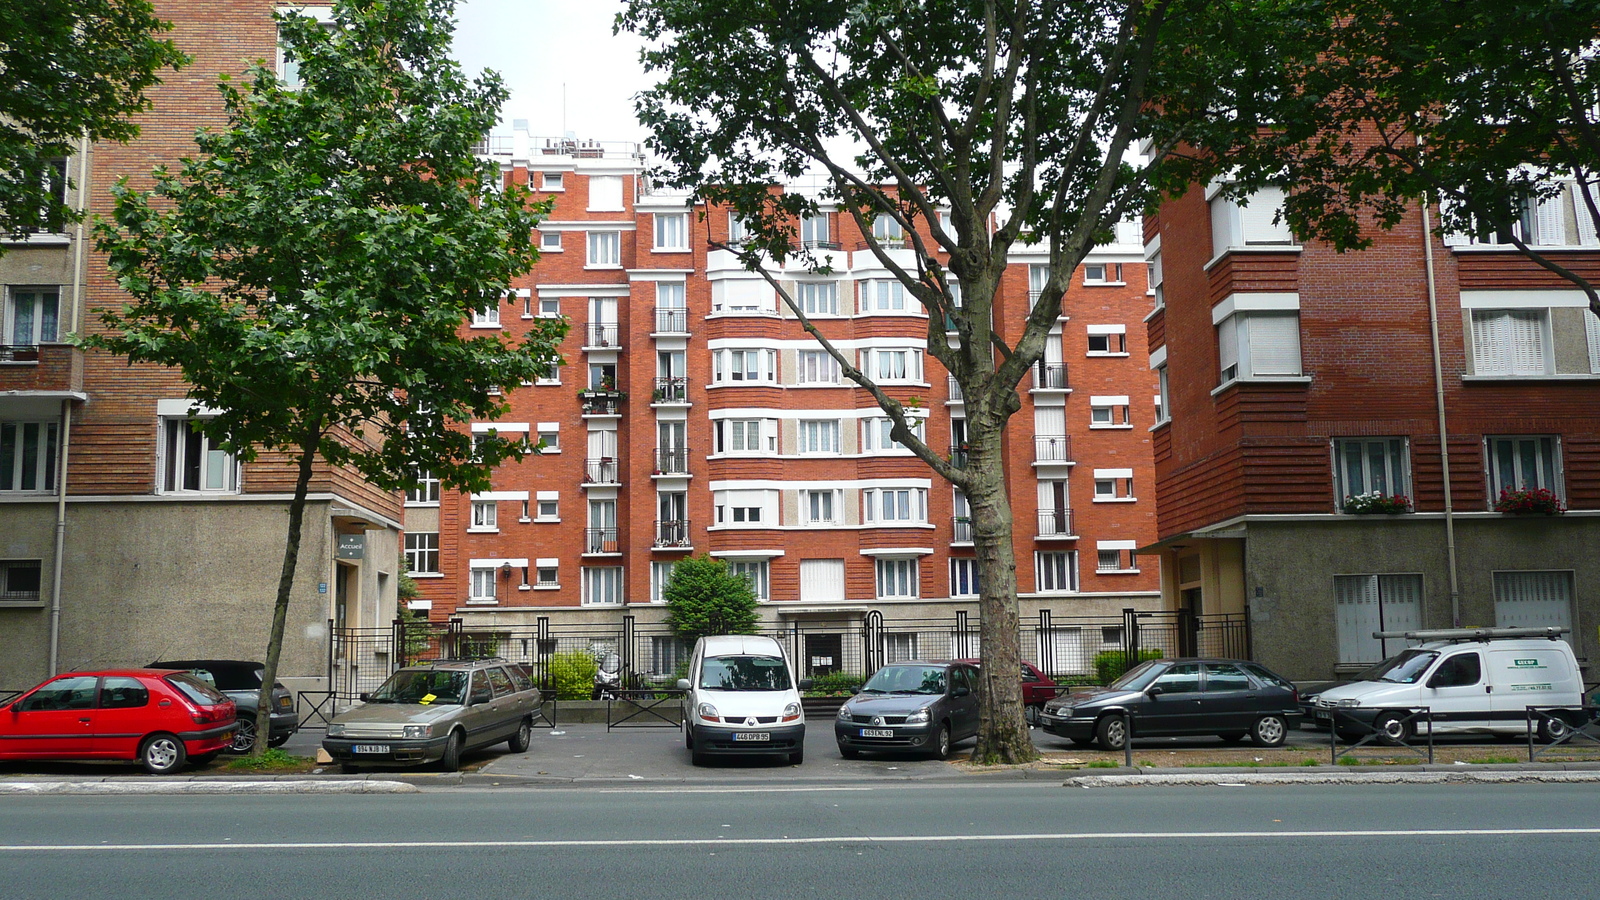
(1552, 632)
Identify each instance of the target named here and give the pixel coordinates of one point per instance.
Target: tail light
(205, 715)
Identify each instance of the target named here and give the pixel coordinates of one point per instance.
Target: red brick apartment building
(1297, 377)
(693, 415)
(127, 538)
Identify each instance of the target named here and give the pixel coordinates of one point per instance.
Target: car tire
(696, 757)
(1111, 733)
(520, 741)
(1233, 737)
(849, 752)
(244, 736)
(1393, 729)
(278, 740)
(162, 754)
(941, 742)
(1030, 713)
(451, 761)
(1554, 729)
(1269, 731)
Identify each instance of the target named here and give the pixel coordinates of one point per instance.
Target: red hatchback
(160, 718)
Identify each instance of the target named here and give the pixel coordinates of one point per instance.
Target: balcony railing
(1050, 376)
(672, 460)
(958, 455)
(603, 334)
(672, 320)
(671, 389)
(601, 471)
(19, 352)
(601, 540)
(955, 390)
(1055, 523)
(673, 533)
(601, 402)
(1052, 448)
(961, 529)
(816, 245)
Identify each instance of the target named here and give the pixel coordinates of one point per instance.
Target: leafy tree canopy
(704, 598)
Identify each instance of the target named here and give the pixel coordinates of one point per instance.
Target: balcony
(672, 461)
(604, 470)
(595, 402)
(955, 390)
(670, 390)
(1050, 377)
(673, 534)
(672, 320)
(1052, 449)
(602, 336)
(601, 540)
(19, 352)
(961, 529)
(958, 455)
(1055, 523)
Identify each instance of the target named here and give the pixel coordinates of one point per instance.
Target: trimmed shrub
(572, 674)
(834, 684)
(1109, 665)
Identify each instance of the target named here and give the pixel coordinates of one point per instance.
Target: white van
(1472, 681)
(740, 699)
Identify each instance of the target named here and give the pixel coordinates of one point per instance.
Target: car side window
(1226, 677)
(1269, 678)
(519, 677)
(1183, 678)
(480, 692)
(1457, 671)
(500, 680)
(74, 692)
(121, 692)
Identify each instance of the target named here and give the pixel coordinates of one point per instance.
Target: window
(672, 231)
(963, 577)
(1038, 276)
(887, 228)
(20, 579)
(900, 647)
(485, 515)
(602, 586)
(27, 456)
(1163, 410)
(1055, 571)
(1369, 466)
(422, 552)
(896, 365)
(1364, 604)
(818, 298)
(820, 507)
(898, 579)
(814, 230)
(895, 505)
(32, 317)
(1109, 412)
(1102, 273)
(549, 307)
(882, 296)
(482, 587)
(1156, 274)
(1523, 462)
(550, 242)
(1511, 342)
(744, 365)
(553, 181)
(1116, 556)
(605, 193)
(426, 493)
(1253, 221)
(1533, 599)
(1113, 485)
(547, 506)
(549, 437)
(740, 436)
(605, 248)
(821, 580)
(755, 572)
(1591, 326)
(1258, 344)
(289, 67)
(660, 574)
(193, 462)
(488, 317)
(738, 231)
(819, 436)
(817, 367)
(877, 435)
(1107, 340)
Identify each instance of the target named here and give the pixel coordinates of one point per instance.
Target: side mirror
(961, 691)
(1154, 692)
(682, 685)
(805, 684)
(481, 697)
(1438, 680)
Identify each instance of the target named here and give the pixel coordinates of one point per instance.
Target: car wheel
(1554, 729)
(203, 758)
(1112, 733)
(519, 742)
(244, 736)
(451, 761)
(1393, 729)
(941, 742)
(1232, 737)
(162, 754)
(1270, 731)
(1030, 713)
(688, 737)
(278, 740)
(849, 752)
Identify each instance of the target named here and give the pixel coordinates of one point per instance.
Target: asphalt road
(1013, 840)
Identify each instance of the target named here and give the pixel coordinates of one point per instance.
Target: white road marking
(835, 839)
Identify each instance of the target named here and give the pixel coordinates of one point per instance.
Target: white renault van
(1472, 680)
(741, 699)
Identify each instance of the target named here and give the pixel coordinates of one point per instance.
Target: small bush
(573, 674)
(1102, 764)
(834, 684)
(1109, 665)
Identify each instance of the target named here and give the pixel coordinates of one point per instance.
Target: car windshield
(1139, 677)
(1403, 669)
(906, 680)
(424, 686)
(195, 689)
(744, 673)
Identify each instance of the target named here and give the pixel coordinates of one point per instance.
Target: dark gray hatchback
(924, 707)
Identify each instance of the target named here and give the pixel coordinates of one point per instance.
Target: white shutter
(1549, 227)
(821, 580)
(1527, 344)
(1356, 618)
(1591, 325)
(1274, 344)
(1491, 339)
(1586, 229)
(1532, 599)
(1256, 223)
(605, 192)
(1228, 346)
(1402, 608)
(1052, 350)
(1049, 421)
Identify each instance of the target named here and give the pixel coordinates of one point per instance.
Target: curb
(1411, 775)
(206, 786)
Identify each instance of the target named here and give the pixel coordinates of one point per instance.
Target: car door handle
(83, 721)
(1488, 689)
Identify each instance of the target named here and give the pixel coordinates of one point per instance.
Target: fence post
(871, 641)
(1046, 643)
(331, 639)
(1130, 639)
(627, 651)
(542, 652)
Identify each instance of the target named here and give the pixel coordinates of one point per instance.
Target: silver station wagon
(434, 712)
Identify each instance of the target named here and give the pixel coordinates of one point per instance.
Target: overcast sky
(565, 69)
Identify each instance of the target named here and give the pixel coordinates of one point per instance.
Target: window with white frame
(660, 574)
(1523, 462)
(891, 365)
(877, 434)
(1253, 221)
(481, 588)
(754, 571)
(1111, 485)
(821, 580)
(1109, 412)
(1163, 409)
(193, 462)
(549, 307)
(818, 298)
(672, 231)
(899, 647)
(1038, 276)
(1533, 599)
(1102, 273)
(549, 242)
(605, 248)
(547, 573)
(426, 493)
(818, 436)
(422, 552)
(898, 579)
(1369, 465)
(21, 579)
(745, 508)
(27, 456)
(882, 295)
(963, 577)
(488, 317)
(745, 436)
(1116, 556)
(1155, 273)
(485, 515)
(605, 193)
(895, 506)
(1511, 342)
(288, 66)
(816, 367)
(1258, 344)
(31, 317)
(744, 365)
(814, 230)
(553, 181)
(547, 506)
(602, 586)
(738, 231)
(1107, 340)
(887, 228)
(1364, 604)
(1055, 571)
(549, 437)
(820, 507)
(743, 296)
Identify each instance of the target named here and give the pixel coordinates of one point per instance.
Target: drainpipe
(66, 410)
(1444, 434)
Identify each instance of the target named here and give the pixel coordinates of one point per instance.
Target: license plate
(752, 736)
(371, 748)
(1323, 716)
(877, 732)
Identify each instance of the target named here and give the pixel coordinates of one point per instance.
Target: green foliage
(271, 759)
(1102, 764)
(704, 597)
(835, 684)
(1109, 665)
(69, 69)
(572, 674)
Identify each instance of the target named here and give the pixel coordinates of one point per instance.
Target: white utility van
(741, 699)
(1471, 680)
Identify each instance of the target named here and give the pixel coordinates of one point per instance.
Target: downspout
(66, 410)
(1444, 434)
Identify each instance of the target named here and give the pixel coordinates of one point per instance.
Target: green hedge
(573, 674)
(834, 684)
(1110, 664)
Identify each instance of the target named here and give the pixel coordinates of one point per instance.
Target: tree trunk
(280, 610)
(1002, 733)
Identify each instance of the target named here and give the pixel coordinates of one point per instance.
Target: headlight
(335, 729)
(1349, 702)
(706, 711)
(414, 732)
(792, 709)
(844, 712)
(918, 717)
(1060, 712)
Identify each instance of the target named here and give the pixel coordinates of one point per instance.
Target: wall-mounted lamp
(505, 571)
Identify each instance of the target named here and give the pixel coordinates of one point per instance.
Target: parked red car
(1037, 689)
(160, 718)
